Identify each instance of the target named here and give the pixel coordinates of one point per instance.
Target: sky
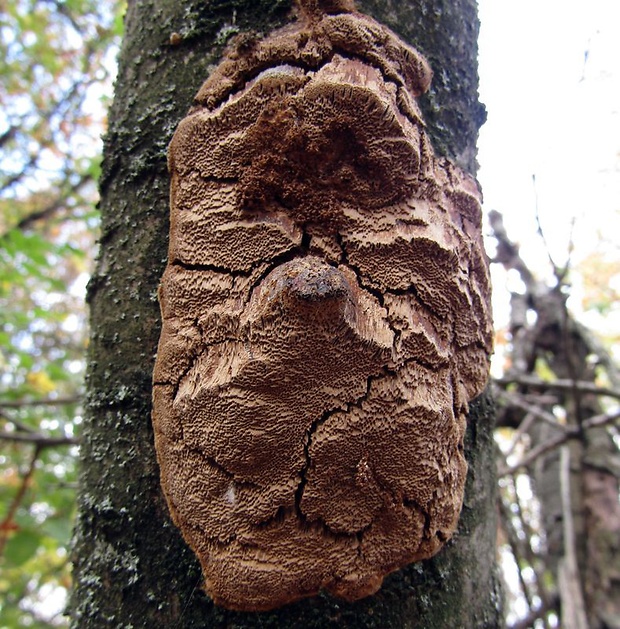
(550, 79)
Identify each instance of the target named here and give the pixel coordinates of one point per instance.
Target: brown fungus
(326, 317)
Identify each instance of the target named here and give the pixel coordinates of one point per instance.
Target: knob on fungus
(326, 318)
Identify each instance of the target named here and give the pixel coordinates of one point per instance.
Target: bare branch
(61, 401)
(536, 453)
(20, 426)
(16, 177)
(561, 385)
(516, 545)
(55, 205)
(8, 135)
(540, 230)
(72, 101)
(559, 272)
(600, 420)
(508, 252)
(518, 401)
(7, 523)
(570, 432)
(38, 439)
(524, 426)
(536, 614)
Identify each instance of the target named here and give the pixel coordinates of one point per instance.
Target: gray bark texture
(131, 565)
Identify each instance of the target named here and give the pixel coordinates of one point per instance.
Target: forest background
(550, 163)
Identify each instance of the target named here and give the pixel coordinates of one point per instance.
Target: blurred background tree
(558, 459)
(57, 59)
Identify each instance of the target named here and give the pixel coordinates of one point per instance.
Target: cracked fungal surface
(326, 317)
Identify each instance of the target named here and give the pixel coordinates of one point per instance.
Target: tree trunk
(131, 565)
(575, 473)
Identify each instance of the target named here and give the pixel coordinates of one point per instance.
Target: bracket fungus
(326, 317)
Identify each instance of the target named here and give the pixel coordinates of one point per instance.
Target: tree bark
(131, 566)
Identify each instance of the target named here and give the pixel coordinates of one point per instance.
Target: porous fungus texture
(326, 317)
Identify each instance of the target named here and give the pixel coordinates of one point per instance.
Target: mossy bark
(131, 566)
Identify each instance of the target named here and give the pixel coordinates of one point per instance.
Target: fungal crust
(326, 317)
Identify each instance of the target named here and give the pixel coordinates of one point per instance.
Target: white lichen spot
(230, 495)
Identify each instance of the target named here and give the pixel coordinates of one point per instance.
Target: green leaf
(21, 547)
(58, 528)
(10, 616)
(118, 25)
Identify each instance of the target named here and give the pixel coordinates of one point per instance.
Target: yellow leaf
(40, 381)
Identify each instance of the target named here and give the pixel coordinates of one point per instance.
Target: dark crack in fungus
(326, 317)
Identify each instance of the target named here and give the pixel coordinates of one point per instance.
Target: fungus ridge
(326, 317)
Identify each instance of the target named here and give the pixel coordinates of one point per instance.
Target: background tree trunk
(576, 482)
(132, 567)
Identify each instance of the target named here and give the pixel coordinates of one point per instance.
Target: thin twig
(541, 413)
(7, 523)
(536, 614)
(53, 207)
(600, 420)
(38, 439)
(8, 135)
(524, 426)
(20, 426)
(540, 230)
(559, 385)
(515, 544)
(536, 453)
(508, 252)
(530, 554)
(570, 432)
(61, 401)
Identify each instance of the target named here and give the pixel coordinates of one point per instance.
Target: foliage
(56, 61)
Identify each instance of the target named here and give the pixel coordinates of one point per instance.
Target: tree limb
(38, 439)
(560, 384)
(570, 432)
(6, 526)
(61, 401)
